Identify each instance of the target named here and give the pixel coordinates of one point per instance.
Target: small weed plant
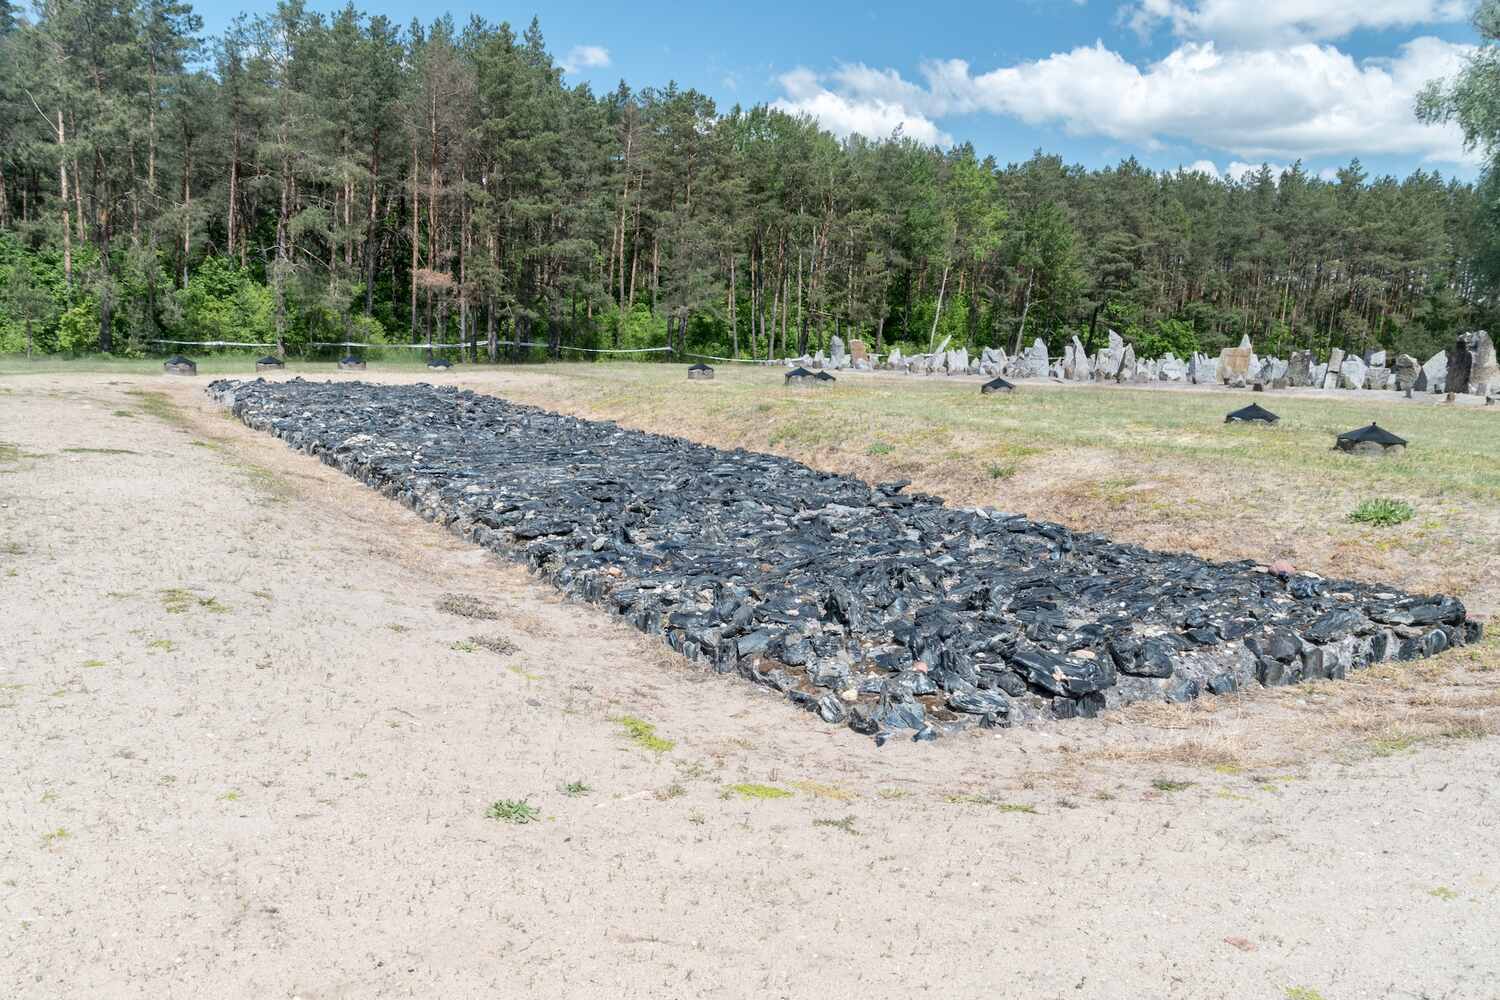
(517, 811)
(1382, 512)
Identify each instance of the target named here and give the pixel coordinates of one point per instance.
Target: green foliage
(750, 790)
(646, 218)
(1382, 512)
(643, 734)
(222, 302)
(78, 328)
(1168, 335)
(518, 811)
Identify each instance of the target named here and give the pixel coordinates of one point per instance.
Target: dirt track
(249, 758)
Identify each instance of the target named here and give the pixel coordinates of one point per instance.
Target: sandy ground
(246, 756)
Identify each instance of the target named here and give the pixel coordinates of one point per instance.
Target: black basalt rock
(1252, 414)
(866, 605)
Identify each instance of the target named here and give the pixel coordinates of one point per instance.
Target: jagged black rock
(869, 606)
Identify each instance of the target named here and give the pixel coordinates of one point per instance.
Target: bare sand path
(244, 755)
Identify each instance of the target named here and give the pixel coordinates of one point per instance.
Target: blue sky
(1207, 84)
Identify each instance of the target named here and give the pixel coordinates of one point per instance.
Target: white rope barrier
(743, 361)
(410, 347)
(209, 343)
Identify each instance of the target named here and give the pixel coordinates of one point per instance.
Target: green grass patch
(156, 404)
(1168, 785)
(1382, 512)
(180, 600)
(100, 451)
(54, 836)
(575, 789)
(879, 448)
(969, 799)
(517, 811)
(1303, 993)
(643, 734)
(165, 645)
(94, 664)
(1444, 893)
(846, 824)
(750, 790)
(1393, 744)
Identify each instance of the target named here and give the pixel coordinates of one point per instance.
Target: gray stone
(1377, 378)
(1299, 368)
(1375, 359)
(1234, 363)
(1036, 359)
(1471, 364)
(1352, 373)
(1127, 371)
(837, 357)
(1406, 370)
(1435, 373)
(1335, 367)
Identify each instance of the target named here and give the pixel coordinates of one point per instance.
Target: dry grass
(1155, 467)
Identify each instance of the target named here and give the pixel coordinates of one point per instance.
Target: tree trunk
(938, 312)
(416, 212)
(734, 330)
(1021, 330)
(62, 173)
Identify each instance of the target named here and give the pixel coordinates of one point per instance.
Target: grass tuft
(466, 606)
(517, 811)
(1382, 512)
(750, 790)
(180, 600)
(846, 824)
(1167, 785)
(643, 734)
(576, 789)
(1303, 993)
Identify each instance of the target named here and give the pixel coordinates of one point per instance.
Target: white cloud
(842, 114)
(1203, 167)
(1303, 100)
(585, 57)
(1263, 22)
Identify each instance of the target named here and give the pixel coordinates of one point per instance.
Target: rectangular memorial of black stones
(867, 605)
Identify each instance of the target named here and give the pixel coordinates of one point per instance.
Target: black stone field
(867, 605)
